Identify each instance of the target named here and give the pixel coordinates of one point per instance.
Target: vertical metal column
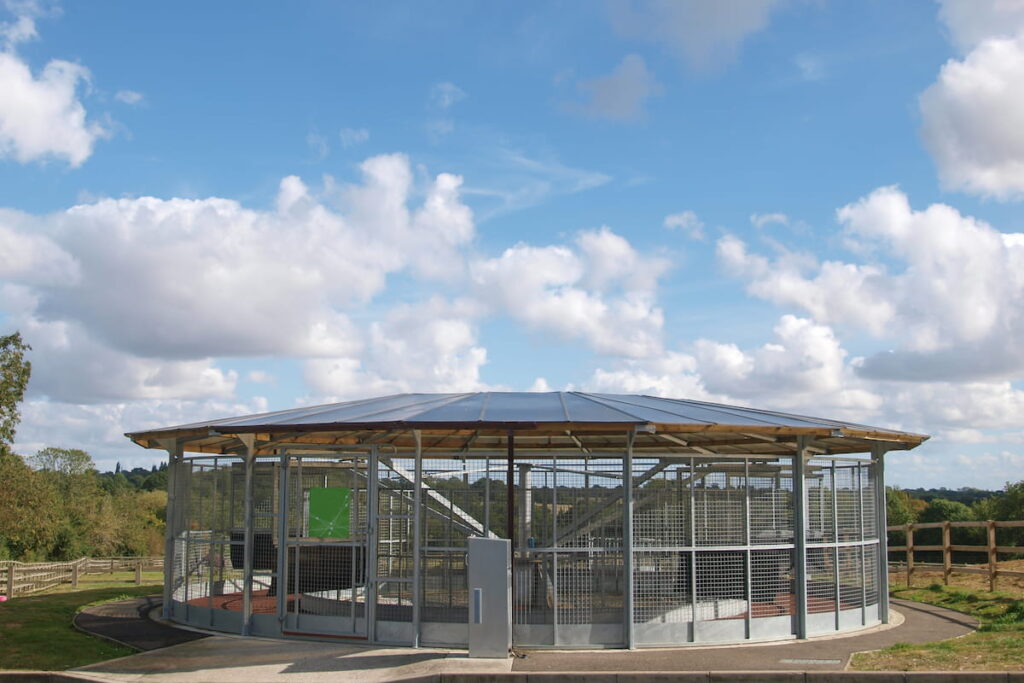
(372, 526)
(417, 538)
(525, 504)
(835, 548)
(800, 535)
(627, 537)
(174, 453)
(861, 538)
(282, 539)
(748, 580)
(249, 540)
(878, 456)
(554, 549)
(693, 551)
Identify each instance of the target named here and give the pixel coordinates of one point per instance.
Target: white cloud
(260, 377)
(42, 117)
(971, 120)
(99, 429)
(622, 94)
(431, 346)
(318, 144)
(148, 290)
(948, 288)
(129, 97)
(444, 95)
(350, 137)
(971, 22)
(759, 220)
(21, 30)
(529, 180)
(971, 115)
(602, 292)
(811, 67)
(705, 33)
(688, 222)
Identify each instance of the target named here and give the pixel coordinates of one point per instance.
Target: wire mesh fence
(346, 544)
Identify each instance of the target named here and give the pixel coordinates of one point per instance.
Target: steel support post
(627, 538)
(282, 539)
(693, 551)
(747, 561)
(837, 589)
(174, 453)
(417, 539)
(862, 537)
(248, 440)
(800, 535)
(372, 538)
(878, 460)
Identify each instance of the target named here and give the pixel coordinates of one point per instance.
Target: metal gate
(325, 549)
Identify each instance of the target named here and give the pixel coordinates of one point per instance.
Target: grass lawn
(36, 631)
(998, 645)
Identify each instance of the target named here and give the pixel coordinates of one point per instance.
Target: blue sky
(810, 206)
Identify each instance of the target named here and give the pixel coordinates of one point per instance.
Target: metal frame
(423, 496)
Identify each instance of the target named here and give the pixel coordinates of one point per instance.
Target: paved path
(922, 624)
(248, 660)
(127, 622)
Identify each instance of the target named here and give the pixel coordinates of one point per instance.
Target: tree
(942, 510)
(14, 374)
(68, 461)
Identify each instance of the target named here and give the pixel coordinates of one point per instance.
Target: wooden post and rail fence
(991, 549)
(25, 578)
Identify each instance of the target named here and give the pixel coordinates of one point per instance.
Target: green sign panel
(329, 512)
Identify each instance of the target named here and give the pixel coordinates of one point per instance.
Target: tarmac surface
(127, 622)
(248, 660)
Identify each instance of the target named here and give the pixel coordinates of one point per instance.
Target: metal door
(324, 555)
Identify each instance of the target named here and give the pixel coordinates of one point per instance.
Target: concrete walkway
(249, 660)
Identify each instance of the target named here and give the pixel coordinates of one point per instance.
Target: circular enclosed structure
(634, 520)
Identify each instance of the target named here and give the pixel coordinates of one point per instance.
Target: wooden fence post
(910, 553)
(74, 574)
(992, 556)
(947, 553)
(138, 573)
(10, 581)
(111, 566)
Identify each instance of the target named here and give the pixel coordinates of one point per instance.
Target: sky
(214, 209)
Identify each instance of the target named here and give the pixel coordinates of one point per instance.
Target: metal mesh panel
(820, 516)
(771, 504)
(719, 507)
(848, 503)
(661, 587)
(721, 585)
(771, 583)
(444, 586)
(871, 574)
(590, 508)
(850, 586)
(821, 583)
(590, 588)
(661, 510)
(870, 518)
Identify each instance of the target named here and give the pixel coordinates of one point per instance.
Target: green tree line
(54, 505)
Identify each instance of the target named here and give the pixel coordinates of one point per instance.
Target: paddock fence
(935, 546)
(26, 578)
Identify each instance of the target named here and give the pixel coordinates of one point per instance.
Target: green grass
(998, 645)
(36, 631)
